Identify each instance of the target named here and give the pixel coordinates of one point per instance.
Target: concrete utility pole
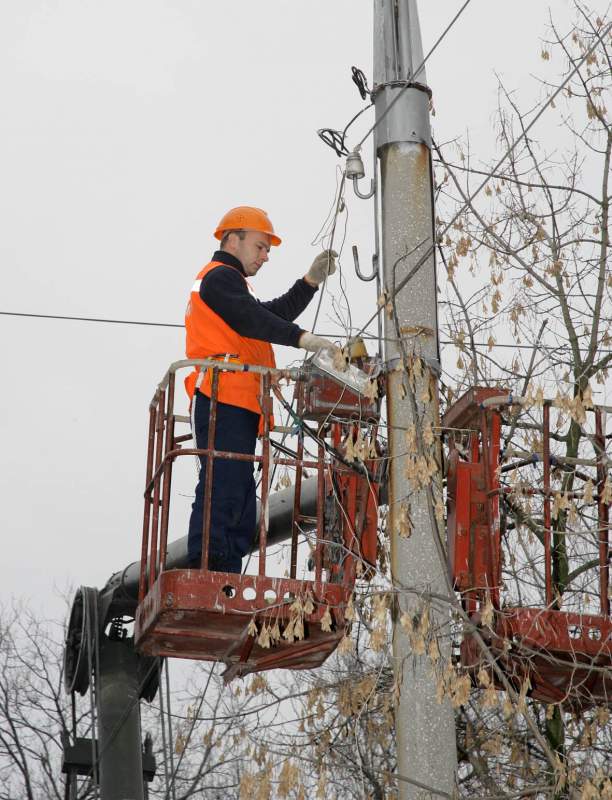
(425, 728)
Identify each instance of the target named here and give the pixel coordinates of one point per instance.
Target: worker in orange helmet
(224, 318)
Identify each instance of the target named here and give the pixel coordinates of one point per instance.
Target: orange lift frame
(566, 656)
(259, 622)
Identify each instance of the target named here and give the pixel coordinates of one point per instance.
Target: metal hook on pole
(360, 194)
(360, 274)
(355, 171)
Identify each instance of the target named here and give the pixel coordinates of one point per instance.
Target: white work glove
(323, 265)
(313, 343)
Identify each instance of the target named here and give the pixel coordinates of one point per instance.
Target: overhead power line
(180, 325)
(92, 319)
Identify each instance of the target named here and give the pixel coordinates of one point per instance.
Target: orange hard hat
(246, 218)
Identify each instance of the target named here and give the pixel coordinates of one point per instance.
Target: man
(223, 318)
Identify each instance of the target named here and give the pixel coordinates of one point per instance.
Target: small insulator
(354, 166)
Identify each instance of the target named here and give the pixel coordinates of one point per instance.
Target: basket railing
(164, 447)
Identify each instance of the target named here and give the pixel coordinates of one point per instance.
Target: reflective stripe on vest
(210, 336)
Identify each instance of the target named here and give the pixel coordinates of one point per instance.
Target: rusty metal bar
(212, 424)
(486, 426)
(289, 373)
(514, 399)
(297, 373)
(159, 445)
(603, 511)
(277, 659)
(473, 443)
(320, 509)
(266, 404)
(297, 494)
(494, 449)
(167, 474)
(230, 456)
(146, 520)
(547, 530)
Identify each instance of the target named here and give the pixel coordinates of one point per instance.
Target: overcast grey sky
(127, 129)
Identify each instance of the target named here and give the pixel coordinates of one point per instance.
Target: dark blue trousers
(233, 506)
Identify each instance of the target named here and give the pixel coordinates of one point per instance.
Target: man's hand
(313, 343)
(323, 265)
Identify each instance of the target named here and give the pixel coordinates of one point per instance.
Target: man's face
(252, 251)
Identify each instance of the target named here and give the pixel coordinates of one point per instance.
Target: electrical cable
(92, 319)
(327, 335)
(162, 725)
(355, 466)
(361, 82)
(333, 139)
(336, 139)
(193, 723)
(170, 734)
(361, 332)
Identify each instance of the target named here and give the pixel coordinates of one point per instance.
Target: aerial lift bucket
(258, 622)
(565, 656)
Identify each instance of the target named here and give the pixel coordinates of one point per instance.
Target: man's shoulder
(221, 276)
(216, 270)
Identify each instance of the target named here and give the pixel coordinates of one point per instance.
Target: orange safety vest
(209, 336)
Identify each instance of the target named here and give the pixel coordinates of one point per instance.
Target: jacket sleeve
(291, 304)
(224, 291)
